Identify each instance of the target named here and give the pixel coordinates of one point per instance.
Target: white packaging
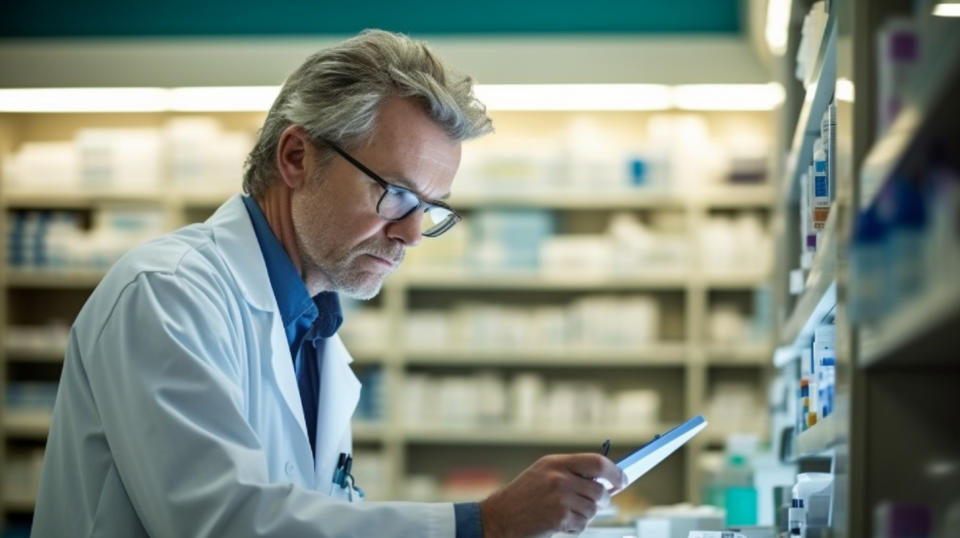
(636, 409)
(526, 397)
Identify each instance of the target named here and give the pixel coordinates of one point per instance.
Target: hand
(557, 493)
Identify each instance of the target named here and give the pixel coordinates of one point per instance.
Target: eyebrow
(408, 184)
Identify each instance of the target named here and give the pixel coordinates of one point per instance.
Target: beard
(352, 272)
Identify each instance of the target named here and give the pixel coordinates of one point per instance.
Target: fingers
(596, 466)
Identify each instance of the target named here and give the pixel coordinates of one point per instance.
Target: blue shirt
(307, 321)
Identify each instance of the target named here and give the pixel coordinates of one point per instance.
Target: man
(205, 391)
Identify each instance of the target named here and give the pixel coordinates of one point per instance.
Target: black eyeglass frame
(387, 187)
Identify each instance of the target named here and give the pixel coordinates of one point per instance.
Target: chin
(363, 290)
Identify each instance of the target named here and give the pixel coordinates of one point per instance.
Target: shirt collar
(296, 306)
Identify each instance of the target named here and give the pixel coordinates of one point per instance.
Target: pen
(605, 447)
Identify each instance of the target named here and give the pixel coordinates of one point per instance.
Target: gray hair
(336, 95)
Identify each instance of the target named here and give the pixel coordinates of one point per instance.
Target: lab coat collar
(233, 233)
(340, 390)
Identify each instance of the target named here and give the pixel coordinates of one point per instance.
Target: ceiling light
(728, 96)
(574, 96)
(778, 22)
(947, 9)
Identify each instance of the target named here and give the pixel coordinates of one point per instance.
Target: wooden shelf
(577, 357)
(26, 425)
(819, 298)
(925, 331)
(817, 98)
(820, 438)
(933, 88)
(454, 279)
(504, 435)
(51, 278)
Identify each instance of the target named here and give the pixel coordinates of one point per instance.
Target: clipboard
(651, 454)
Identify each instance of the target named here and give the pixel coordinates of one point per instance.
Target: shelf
(815, 102)
(368, 431)
(735, 281)
(738, 355)
(819, 298)
(925, 331)
(933, 89)
(75, 199)
(52, 353)
(504, 435)
(820, 438)
(460, 279)
(721, 197)
(19, 503)
(577, 357)
(26, 425)
(49, 278)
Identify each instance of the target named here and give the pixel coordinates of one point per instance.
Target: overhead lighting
(496, 96)
(844, 90)
(728, 96)
(778, 22)
(84, 100)
(574, 96)
(223, 99)
(947, 9)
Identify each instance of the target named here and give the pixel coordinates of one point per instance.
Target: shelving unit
(895, 417)
(686, 363)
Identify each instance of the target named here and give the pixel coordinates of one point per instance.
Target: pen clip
(605, 447)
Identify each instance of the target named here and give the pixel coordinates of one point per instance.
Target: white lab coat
(178, 412)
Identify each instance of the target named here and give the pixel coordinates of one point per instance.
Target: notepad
(651, 454)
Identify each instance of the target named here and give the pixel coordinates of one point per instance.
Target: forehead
(408, 147)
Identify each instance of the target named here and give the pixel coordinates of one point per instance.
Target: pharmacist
(205, 391)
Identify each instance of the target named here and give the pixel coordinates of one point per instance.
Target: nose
(408, 230)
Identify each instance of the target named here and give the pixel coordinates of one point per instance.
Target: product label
(821, 189)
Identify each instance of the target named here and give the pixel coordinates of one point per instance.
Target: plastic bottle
(821, 195)
(906, 257)
(867, 260)
(796, 517)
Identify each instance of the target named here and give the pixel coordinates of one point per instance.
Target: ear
(293, 151)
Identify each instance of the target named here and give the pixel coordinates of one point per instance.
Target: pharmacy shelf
(730, 197)
(18, 503)
(368, 431)
(549, 357)
(745, 279)
(815, 103)
(459, 279)
(53, 278)
(76, 199)
(738, 354)
(934, 87)
(52, 353)
(922, 332)
(505, 435)
(819, 298)
(26, 425)
(820, 438)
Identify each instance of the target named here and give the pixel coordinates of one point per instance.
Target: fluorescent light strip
(496, 96)
(574, 96)
(844, 90)
(778, 22)
(728, 96)
(947, 9)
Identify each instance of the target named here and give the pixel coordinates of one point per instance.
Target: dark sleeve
(469, 524)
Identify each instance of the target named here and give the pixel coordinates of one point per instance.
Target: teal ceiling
(186, 18)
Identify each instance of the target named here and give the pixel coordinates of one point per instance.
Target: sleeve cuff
(469, 524)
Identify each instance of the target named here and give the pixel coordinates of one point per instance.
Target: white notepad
(649, 455)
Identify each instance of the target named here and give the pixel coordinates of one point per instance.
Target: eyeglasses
(397, 203)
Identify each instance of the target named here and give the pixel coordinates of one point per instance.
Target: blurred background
(748, 209)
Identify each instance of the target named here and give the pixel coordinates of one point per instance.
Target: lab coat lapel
(234, 235)
(339, 394)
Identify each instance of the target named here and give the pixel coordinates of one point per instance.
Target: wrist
(490, 521)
